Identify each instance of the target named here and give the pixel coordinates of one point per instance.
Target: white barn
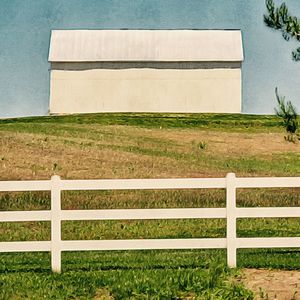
(145, 71)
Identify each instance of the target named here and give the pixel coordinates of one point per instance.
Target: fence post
(231, 219)
(55, 224)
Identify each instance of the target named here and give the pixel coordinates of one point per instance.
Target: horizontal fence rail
(231, 213)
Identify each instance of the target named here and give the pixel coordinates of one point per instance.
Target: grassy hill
(143, 146)
(151, 145)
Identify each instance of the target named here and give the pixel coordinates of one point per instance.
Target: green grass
(136, 138)
(230, 122)
(124, 275)
(135, 274)
(142, 274)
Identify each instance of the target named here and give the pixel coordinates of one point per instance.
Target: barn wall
(146, 90)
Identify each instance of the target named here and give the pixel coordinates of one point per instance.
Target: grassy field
(143, 146)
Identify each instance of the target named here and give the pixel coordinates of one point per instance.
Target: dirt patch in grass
(272, 284)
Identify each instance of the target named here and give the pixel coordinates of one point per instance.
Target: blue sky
(25, 27)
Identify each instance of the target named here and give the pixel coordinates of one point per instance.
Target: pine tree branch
(278, 18)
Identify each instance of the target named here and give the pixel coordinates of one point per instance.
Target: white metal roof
(145, 45)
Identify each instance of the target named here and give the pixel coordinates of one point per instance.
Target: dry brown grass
(129, 152)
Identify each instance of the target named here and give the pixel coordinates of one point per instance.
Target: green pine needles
(287, 112)
(279, 18)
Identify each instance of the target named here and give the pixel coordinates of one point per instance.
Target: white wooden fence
(230, 213)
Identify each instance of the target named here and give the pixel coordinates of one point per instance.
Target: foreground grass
(149, 275)
(133, 275)
(141, 274)
(143, 146)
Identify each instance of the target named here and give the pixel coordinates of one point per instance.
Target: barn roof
(145, 45)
